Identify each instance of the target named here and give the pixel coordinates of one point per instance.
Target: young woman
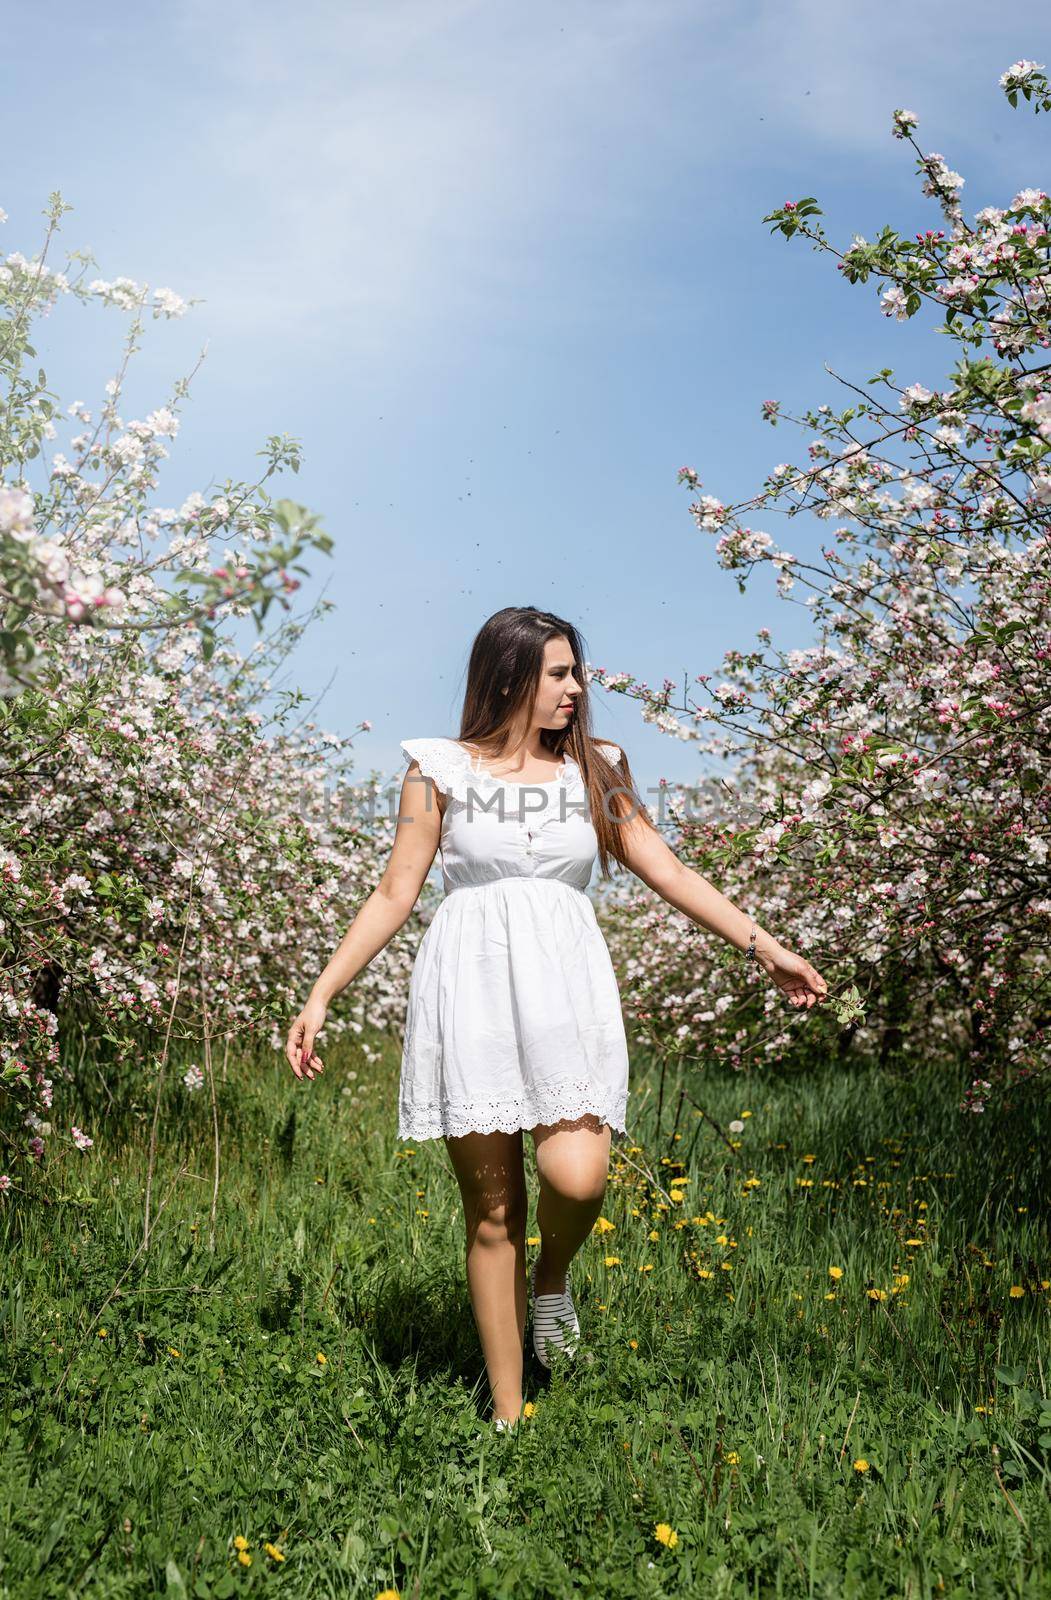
(514, 1020)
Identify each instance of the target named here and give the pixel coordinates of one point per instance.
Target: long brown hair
(508, 652)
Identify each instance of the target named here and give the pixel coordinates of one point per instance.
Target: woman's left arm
(650, 858)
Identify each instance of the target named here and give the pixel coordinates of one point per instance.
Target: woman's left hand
(794, 975)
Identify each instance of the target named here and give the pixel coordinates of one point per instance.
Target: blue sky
(502, 269)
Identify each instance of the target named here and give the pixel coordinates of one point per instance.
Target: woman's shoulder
(441, 759)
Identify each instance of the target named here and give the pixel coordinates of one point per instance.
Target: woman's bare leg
(491, 1176)
(572, 1163)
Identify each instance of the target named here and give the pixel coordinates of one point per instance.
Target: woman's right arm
(416, 838)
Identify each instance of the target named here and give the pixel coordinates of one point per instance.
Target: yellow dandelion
(901, 1279)
(722, 1239)
(1045, 1283)
(732, 1458)
(702, 1272)
(876, 1294)
(746, 1113)
(913, 1242)
(273, 1552)
(666, 1534)
(831, 1295)
(611, 1261)
(654, 1233)
(753, 1183)
(240, 1542)
(983, 1409)
(861, 1465)
(244, 1558)
(321, 1359)
(529, 1409)
(1016, 1291)
(647, 1266)
(388, 1594)
(603, 1225)
(810, 1160)
(102, 1333)
(372, 1220)
(534, 1238)
(173, 1352)
(633, 1343)
(835, 1272)
(804, 1183)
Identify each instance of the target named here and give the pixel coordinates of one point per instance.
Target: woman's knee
(576, 1185)
(572, 1160)
(495, 1218)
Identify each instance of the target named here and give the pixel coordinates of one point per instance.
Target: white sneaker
(555, 1324)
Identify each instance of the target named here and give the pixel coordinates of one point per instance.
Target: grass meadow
(814, 1363)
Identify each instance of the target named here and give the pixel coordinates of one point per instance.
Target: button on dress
(514, 1014)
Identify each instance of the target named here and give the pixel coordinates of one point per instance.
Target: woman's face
(558, 690)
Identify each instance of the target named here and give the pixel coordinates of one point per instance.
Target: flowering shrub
(175, 862)
(888, 812)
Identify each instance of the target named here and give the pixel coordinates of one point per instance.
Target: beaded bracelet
(749, 954)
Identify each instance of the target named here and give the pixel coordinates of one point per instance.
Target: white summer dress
(514, 1015)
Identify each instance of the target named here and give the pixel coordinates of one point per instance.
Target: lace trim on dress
(557, 1103)
(445, 764)
(450, 768)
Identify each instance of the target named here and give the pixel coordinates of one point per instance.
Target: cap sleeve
(441, 760)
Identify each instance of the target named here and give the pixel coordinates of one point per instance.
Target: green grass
(731, 1407)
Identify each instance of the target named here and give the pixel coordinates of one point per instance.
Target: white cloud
(373, 176)
(419, 159)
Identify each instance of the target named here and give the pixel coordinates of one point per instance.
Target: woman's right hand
(300, 1045)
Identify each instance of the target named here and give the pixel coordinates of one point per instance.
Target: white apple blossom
(894, 303)
(16, 514)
